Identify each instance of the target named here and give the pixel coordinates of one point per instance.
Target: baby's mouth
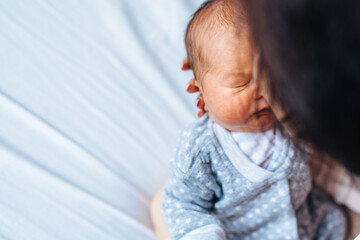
(264, 111)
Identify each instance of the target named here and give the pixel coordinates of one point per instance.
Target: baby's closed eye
(239, 85)
(237, 80)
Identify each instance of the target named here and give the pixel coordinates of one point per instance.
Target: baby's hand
(193, 88)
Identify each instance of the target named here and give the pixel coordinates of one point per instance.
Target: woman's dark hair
(310, 50)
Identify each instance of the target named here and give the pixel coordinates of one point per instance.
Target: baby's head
(221, 53)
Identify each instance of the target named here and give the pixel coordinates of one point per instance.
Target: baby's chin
(256, 124)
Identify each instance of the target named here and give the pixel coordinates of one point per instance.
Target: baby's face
(230, 92)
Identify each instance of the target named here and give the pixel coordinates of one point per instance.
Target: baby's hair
(212, 16)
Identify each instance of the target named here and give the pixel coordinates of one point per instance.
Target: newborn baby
(234, 175)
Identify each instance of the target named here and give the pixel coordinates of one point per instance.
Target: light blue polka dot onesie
(215, 192)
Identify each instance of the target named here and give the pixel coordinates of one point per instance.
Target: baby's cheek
(233, 111)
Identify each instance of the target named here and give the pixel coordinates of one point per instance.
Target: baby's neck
(250, 129)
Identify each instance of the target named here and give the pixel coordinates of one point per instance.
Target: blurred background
(91, 101)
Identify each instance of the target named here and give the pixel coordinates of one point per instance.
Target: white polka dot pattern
(205, 189)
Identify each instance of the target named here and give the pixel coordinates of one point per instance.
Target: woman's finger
(192, 86)
(185, 64)
(201, 113)
(200, 102)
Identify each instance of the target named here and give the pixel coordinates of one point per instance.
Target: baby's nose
(258, 94)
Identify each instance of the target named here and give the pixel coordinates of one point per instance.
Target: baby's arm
(189, 199)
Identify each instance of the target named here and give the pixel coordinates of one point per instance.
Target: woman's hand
(155, 213)
(192, 87)
(157, 218)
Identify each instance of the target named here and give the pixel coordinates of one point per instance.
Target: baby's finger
(192, 87)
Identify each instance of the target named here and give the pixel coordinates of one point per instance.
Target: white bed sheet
(91, 101)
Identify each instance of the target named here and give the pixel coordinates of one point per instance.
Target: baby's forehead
(224, 42)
